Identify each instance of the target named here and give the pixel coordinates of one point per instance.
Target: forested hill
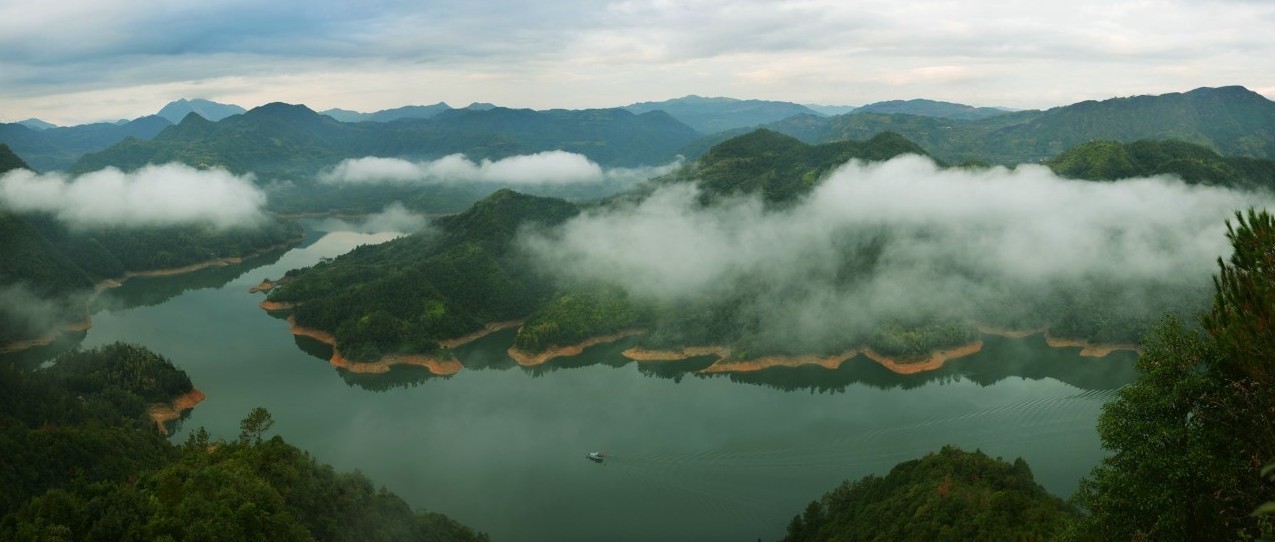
(83, 461)
(9, 160)
(951, 495)
(280, 138)
(406, 295)
(1111, 160)
(780, 167)
(1231, 120)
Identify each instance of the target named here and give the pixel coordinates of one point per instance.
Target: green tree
(1189, 436)
(255, 425)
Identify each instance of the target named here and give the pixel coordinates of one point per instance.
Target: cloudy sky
(76, 61)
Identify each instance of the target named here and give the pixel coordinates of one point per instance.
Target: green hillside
(780, 167)
(406, 295)
(1111, 160)
(950, 495)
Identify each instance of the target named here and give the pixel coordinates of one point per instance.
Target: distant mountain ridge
(283, 138)
(57, 148)
(931, 108)
(1231, 120)
(387, 115)
(177, 110)
(712, 115)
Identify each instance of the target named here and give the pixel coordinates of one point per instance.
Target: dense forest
(406, 295)
(949, 495)
(83, 462)
(1112, 160)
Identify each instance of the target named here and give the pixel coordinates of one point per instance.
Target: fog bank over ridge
(919, 239)
(548, 167)
(155, 195)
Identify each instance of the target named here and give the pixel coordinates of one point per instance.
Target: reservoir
(502, 448)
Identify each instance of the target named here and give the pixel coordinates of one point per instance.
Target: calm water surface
(501, 447)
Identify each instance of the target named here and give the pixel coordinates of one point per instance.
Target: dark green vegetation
(951, 495)
(407, 294)
(1111, 160)
(712, 115)
(781, 168)
(573, 317)
(292, 140)
(931, 108)
(1231, 120)
(1188, 439)
(57, 148)
(83, 462)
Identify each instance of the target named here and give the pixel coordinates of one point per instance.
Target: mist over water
(903, 239)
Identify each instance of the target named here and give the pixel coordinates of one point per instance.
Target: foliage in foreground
(1188, 439)
(81, 462)
(950, 495)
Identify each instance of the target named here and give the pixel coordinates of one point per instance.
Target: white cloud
(581, 54)
(952, 241)
(542, 168)
(155, 195)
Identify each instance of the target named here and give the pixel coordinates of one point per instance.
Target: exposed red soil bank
(936, 359)
(525, 359)
(442, 367)
(162, 413)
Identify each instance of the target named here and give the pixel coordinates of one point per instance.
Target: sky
(77, 61)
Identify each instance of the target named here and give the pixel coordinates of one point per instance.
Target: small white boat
(596, 457)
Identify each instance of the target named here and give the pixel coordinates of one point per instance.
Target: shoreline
(1091, 350)
(47, 338)
(116, 282)
(485, 331)
(935, 360)
(765, 362)
(638, 353)
(439, 367)
(162, 413)
(531, 360)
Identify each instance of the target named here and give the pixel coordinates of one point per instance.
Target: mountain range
(293, 139)
(1230, 120)
(1233, 121)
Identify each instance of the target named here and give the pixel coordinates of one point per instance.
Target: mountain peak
(177, 110)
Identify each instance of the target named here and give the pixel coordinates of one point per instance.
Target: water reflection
(151, 291)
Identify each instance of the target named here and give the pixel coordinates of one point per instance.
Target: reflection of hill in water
(151, 291)
(33, 357)
(1000, 359)
(404, 376)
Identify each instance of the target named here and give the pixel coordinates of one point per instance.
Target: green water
(501, 447)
